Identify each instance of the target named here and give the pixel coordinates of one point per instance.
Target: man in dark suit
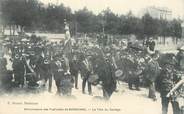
(109, 82)
(74, 69)
(5, 76)
(18, 70)
(151, 73)
(85, 70)
(106, 73)
(45, 72)
(131, 68)
(166, 81)
(59, 68)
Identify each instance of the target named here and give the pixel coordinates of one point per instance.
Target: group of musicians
(36, 62)
(33, 63)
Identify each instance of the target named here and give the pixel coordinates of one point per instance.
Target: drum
(66, 87)
(93, 78)
(46, 61)
(118, 73)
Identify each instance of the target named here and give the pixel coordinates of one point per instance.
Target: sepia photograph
(92, 56)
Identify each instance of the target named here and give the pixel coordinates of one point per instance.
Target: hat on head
(181, 48)
(137, 46)
(169, 59)
(17, 56)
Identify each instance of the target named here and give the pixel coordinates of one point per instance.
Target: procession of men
(37, 63)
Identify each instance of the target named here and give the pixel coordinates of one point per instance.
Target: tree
(150, 26)
(164, 29)
(32, 15)
(85, 20)
(19, 12)
(176, 29)
(129, 24)
(111, 21)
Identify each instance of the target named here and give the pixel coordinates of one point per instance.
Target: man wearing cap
(151, 73)
(60, 69)
(166, 81)
(151, 46)
(45, 71)
(106, 73)
(74, 69)
(180, 57)
(18, 70)
(85, 70)
(131, 69)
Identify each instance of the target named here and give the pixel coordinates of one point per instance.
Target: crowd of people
(35, 62)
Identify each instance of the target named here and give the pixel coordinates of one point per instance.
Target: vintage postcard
(92, 56)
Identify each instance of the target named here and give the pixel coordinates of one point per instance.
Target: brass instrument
(178, 93)
(177, 89)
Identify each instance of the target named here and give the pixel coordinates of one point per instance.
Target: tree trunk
(3, 29)
(10, 30)
(176, 40)
(13, 30)
(160, 40)
(21, 29)
(76, 28)
(164, 39)
(173, 40)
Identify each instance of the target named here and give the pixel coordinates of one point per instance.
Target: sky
(122, 6)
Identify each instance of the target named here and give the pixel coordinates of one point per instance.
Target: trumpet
(175, 88)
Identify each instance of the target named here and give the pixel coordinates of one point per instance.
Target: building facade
(158, 12)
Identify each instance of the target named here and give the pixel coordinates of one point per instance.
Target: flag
(67, 48)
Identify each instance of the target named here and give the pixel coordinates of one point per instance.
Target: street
(124, 101)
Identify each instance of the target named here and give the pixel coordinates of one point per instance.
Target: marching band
(36, 60)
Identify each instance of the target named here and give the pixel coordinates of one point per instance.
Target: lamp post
(182, 25)
(103, 22)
